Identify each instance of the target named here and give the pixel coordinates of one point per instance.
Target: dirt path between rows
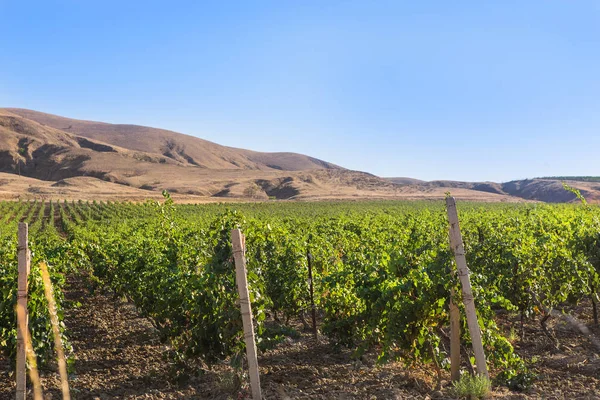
(118, 355)
(117, 352)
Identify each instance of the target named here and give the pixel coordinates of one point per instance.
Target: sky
(462, 90)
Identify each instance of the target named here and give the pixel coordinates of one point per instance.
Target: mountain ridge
(70, 153)
(180, 147)
(549, 190)
(31, 144)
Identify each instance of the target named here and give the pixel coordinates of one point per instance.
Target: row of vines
(382, 271)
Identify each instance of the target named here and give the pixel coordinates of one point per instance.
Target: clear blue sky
(466, 90)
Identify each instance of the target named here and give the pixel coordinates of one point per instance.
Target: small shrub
(229, 382)
(513, 336)
(518, 381)
(471, 387)
(273, 335)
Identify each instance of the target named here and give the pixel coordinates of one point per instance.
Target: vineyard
(382, 274)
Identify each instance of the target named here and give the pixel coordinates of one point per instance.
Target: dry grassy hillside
(151, 160)
(405, 181)
(84, 159)
(540, 189)
(184, 149)
(14, 187)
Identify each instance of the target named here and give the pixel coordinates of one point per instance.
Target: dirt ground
(118, 356)
(573, 370)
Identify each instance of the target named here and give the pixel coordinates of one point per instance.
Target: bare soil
(118, 355)
(570, 372)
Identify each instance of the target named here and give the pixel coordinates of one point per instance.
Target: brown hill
(552, 190)
(33, 144)
(549, 190)
(84, 159)
(405, 181)
(184, 149)
(67, 158)
(303, 187)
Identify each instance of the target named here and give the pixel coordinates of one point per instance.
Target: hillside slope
(143, 161)
(184, 149)
(153, 160)
(549, 190)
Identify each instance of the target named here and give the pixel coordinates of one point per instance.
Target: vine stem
(438, 370)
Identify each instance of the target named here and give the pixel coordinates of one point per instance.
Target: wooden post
(458, 248)
(454, 339)
(62, 362)
(33, 372)
(312, 295)
(24, 261)
(238, 242)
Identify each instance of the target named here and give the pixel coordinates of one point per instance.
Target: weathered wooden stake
(31, 359)
(62, 362)
(312, 295)
(458, 248)
(238, 242)
(454, 339)
(24, 261)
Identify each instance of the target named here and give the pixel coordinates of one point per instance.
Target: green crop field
(383, 272)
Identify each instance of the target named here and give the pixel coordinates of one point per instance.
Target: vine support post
(238, 242)
(456, 243)
(454, 339)
(62, 363)
(24, 258)
(313, 308)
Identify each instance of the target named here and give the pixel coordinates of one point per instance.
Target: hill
(173, 146)
(549, 190)
(54, 149)
(69, 158)
(405, 181)
(574, 178)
